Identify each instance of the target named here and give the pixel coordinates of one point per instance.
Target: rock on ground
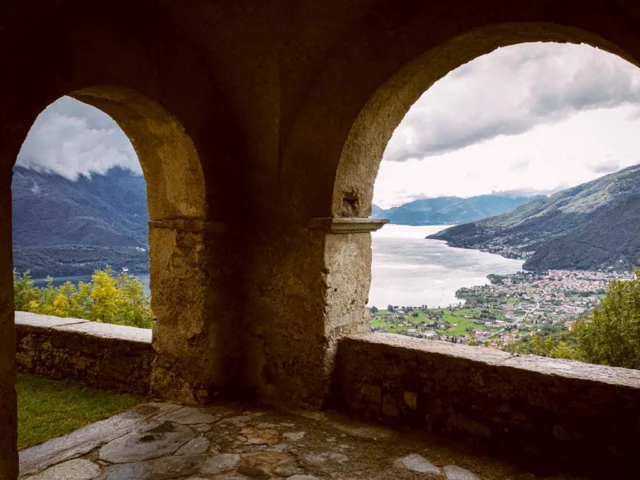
(417, 463)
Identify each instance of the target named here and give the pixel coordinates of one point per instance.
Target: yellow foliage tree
(108, 299)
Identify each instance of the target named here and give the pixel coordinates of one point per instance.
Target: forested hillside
(63, 227)
(449, 210)
(590, 226)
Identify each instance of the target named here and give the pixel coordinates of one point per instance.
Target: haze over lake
(411, 270)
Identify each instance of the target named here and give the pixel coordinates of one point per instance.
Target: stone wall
(98, 354)
(552, 411)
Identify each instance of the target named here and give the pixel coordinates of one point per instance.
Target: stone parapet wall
(98, 354)
(552, 411)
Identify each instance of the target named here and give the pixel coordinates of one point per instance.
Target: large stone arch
(333, 147)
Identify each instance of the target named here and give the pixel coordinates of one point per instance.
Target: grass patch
(50, 408)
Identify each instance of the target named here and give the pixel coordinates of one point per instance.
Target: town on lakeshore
(510, 308)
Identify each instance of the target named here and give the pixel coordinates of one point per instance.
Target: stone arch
(165, 150)
(163, 93)
(333, 147)
(181, 237)
(372, 129)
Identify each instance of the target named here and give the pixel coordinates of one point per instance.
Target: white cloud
(71, 138)
(532, 117)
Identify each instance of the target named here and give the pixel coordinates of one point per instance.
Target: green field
(458, 324)
(49, 408)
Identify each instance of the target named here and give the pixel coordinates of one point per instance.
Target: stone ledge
(99, 354)
(347, 225)
(552, 410)
(109, 331)
(547, 366)
(28, 319)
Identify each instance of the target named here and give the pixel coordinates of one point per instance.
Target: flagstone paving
(165, 441)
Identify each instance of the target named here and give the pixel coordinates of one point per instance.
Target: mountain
(449, 210)
(63, 227)
(592, 226)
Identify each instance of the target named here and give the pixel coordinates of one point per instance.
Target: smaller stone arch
(166, 152)
(371, 131)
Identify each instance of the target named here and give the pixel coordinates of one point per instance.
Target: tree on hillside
(611, 334)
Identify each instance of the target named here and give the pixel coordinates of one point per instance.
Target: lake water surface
(410, 270)
(57, 281)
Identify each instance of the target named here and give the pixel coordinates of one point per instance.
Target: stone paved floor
(157, 441)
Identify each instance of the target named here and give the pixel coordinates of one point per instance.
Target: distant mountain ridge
(450, 210)
(62, 227)
(591, 226)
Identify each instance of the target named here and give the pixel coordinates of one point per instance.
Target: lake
(57, 281)
(410, 270)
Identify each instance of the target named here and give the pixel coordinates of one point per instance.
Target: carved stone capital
(347, 225)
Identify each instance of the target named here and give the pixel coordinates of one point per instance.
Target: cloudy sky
(71, 138)
(528, 118)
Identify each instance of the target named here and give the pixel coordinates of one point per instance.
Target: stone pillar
(309, 289)
(192, 296)
(8, 412)
(346, 279)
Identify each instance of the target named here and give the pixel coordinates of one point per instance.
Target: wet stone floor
(158, 441)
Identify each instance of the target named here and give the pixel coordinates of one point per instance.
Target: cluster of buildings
(508, 308)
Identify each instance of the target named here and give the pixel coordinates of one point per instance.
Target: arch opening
(570, 144)
(171, 241)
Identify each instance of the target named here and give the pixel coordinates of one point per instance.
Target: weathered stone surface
(190, 416)
(262, 464)
(57, 450)
(98, 354)
(159, 469)
(78, 469)
(220, 463)
(302, 477)
(417, 463)
(157, 440)
(453, 472)
(29, 320)
(202, 427)
(319, 459)
(108, 331)
(196, 446)
(490, 396)
(351, 456)
(259, 436)
(294, 436)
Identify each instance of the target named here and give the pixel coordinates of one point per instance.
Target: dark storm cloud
(70, 138)
(511, 91)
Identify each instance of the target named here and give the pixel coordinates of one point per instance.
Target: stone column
(346, 279)
(8, 413)
(193, 291)
(309, 288)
